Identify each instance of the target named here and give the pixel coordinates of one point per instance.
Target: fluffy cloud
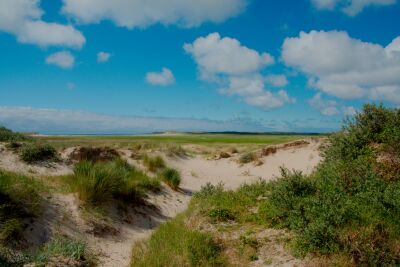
(345, 67)
(350, 7)
(143, 13)
(325, 107)
(23, 19)
(103, 57)
(63, 59)
(330, 107)
(277, 80)
(226, 61)
(216, 55)
(163, 78)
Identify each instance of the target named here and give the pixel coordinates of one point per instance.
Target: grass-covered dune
(347, 213)
(205, 139)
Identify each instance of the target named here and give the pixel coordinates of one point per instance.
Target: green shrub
(171, 177)
(221, 215)
(347, 206)
(153, 164)
(32, 153)
(97, 183)
(7, 135)
(222, 205)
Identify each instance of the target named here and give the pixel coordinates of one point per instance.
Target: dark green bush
(32, 153)
(347, 206)
(171, 177)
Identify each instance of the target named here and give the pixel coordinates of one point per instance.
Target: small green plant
(171, 177)
(153, 164)
(32, 153)
(253, 258)
(221, 215)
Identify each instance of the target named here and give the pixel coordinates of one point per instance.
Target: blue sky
(132, 66)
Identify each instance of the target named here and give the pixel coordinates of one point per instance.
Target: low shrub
(99, 182)
(7, 135)
(153, 164)
(171, 177)
(32, 153)
(348, 206)
(221, 215)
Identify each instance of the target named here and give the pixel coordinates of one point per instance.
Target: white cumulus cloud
(163, 78)
(62, 59)
(236, 68)
(216, 55)
(350, 7)
(330, 107)
(103, 57)
(345, 67)
(277, 80)
(22, 18)
(143, 13)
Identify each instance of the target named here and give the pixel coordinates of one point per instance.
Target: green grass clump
(248, 157)
(7, 135)
(19, 199)
(19, 202)
(32, 153)
(348, 206)
(225, 205)
(153, 164)
(97, 183)
(176, 151)
(63, 247)
(175, 245)
(171, 177)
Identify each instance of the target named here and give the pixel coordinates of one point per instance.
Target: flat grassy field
(201, 139)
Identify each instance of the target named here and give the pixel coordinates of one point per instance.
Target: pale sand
(9, 161)
(197, 171)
